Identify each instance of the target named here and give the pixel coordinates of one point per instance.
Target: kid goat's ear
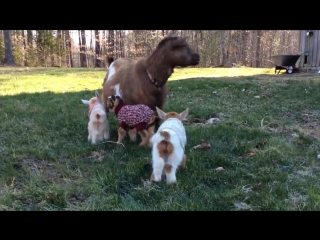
(161, 114)
(97, 95)
(184, 114)
(86, 102)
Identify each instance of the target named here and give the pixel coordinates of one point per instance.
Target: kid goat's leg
(170, 171)
(132, 134)
(157, 165)
(106, 133)
(145, 138)
(121, 134)
(89, 134)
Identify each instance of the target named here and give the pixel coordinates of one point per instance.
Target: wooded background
(89, 48)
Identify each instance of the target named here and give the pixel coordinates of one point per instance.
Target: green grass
(46, 162)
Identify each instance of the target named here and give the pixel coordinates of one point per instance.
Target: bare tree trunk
(258, 49)
(110, 49)
(245, 55)
(103, 48)
(221, 48)
(29, 36)
(25, 48)
(8, 58)
(121, 36)
(97, 49)
(83, 47)
(68, 47)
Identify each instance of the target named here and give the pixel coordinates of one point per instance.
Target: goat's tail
(165, 147)
(100, 115)
(110, 59)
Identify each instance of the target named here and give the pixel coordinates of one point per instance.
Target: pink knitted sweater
(136, 116)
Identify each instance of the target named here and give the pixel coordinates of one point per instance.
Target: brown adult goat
(143, 81)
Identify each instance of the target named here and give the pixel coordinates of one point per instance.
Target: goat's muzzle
(195, 59)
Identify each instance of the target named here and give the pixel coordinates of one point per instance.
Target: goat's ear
(86, 102)
(179, 42)
(97, 95)
(184, 114)
(161, 114)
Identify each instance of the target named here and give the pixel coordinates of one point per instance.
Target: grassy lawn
(267, 140)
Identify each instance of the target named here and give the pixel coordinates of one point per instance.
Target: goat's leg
(157, 165)
(106, 133)
(89, 134)
(145, 137)
(170, 171)
(121, 134)
(183, 163)
(132, 134)
(151, 125)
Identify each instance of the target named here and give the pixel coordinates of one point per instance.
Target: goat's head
(113, 101)
(181, 116)
(177, 52)
(94, 100)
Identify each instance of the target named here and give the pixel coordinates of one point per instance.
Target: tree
(97, 49)
(8, 58)
(110, 46)
(83, 54)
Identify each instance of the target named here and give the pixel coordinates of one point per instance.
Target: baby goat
(168, 145)
(98, 126)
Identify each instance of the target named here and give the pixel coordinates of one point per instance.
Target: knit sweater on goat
(133, 115)
(175, 125)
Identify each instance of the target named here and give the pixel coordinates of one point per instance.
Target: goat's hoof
(153, 179)
(171, 182)
(143, 144)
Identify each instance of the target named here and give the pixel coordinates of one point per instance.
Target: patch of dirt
(43, 168)
(210, 119)
(194, 121)
(310, 125)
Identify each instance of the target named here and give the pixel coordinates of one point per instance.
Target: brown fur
(184, 161)
(132, 75)
(121, 134)
(168, 168)
(172, 115)
(165, 149)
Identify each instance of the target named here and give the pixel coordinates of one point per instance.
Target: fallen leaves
(251, 154)
(213, 120)
(204, 145)
(97, 155)
(220, 169)
(257, 186)
(261, 144)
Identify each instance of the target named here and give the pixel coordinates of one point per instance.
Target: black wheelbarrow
(285, 62)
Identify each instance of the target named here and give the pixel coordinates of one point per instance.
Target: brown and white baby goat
(168, 145)
(98, 125)
(140, 118)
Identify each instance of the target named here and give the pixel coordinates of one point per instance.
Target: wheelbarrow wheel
(289, 70)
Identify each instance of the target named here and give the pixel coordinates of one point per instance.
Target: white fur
(175, 159)
(117, 89)
(98, 129)
(111, 71)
